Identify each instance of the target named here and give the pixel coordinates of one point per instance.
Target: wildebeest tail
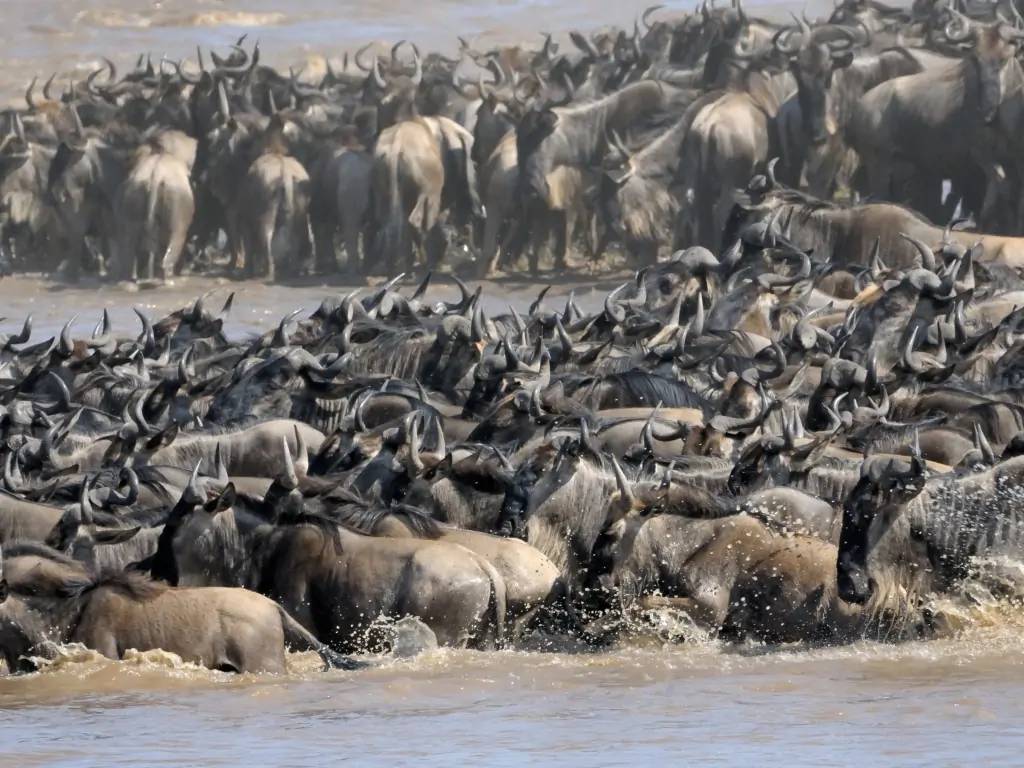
(298, 638)
(393, 224)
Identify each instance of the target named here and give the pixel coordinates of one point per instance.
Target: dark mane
(131, 584)
(685, 500)
(252, 509)
(147, 518)
(325, 526)
(37, 549)
(639, 387)
(365, 519)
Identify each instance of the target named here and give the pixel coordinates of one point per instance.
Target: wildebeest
(909, 131)
(231, 630)
(154, 210)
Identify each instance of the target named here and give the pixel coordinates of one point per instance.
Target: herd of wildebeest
(629, 139)
(805, 423)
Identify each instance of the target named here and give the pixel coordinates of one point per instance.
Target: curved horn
(182, 76)
(966, 28)
(417, 73)
(193, 493)
(645, 16)
(76, 120)
(46, 87)
(29, 99)
(140, 418)
(66, 345)
(982, 444)
(615, 311)
(24, 334)
(117, 499)
(781, 40)
(84, 502)
(414, 442)
(908, 353)
(301, 453)
(625, 492)
(878, 267)
(289, 479)
(222, 101)
(926, 253)
(378, 76)
(147, 338)
(358, 58)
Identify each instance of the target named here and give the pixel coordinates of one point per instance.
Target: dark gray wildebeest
(904, 534)
(273, 209)
(82, 185)
(830, 80)
(232, 630)
(728, 139)
(154, 209)
(731, 574)
(28, 232)
(554, 145)
(637, 191)
(341, 203)
(914, 132)
(852, 234)
(408, 176)
(335, 581)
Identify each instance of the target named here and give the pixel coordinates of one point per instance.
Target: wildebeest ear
(619, 176)
(115, 535)
(65, 530)
(223, 502)
(841, 60)
(548, 120)
(163, 439)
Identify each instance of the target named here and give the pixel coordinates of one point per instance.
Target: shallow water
(938, 703)
(257, 306)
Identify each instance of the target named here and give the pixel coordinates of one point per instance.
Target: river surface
(938, 703)
(943, 703)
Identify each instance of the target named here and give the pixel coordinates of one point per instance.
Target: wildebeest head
(456, 349)
(394, 95)
(813, 57)
(656, 38)
(226, 151)
(534, 128)
(191, 548)
(493, 121)
(724, 34)
(880, 496)
(185, 326)
(874, 16)
(993, 50)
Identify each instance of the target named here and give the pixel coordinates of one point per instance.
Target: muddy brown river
(672, 697)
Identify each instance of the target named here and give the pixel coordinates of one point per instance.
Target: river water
(943, 702)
